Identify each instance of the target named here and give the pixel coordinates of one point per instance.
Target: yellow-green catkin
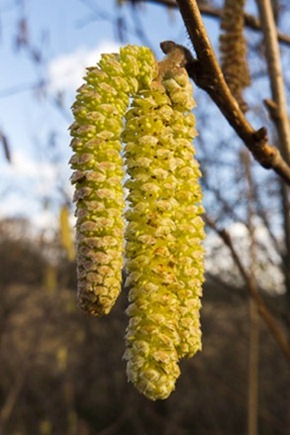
(234, 50)
(98, 173)
(189, 226)
(66, 233)
(164, 234)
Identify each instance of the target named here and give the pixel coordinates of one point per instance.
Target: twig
(250, 21)
(6, 147)
(18, 385)
(139, 30)
(262, 213)
(206, 72)
(254, 333)
(115, 426)
(226, 208)
(270, 321)
(18, 89)
(277, 108)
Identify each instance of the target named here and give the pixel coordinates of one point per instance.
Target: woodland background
(63, 373)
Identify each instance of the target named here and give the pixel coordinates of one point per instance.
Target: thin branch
(278, 111)
(264, 218)
(254, 333)
(270, 321)
(115, 426)
(18, 89)
(226, 208)
(19, 383)
(139, 30)
(206, 72)
(279, 104)
(250, 21)
(6, 146)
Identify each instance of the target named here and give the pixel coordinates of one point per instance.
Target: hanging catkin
(163, 231)
(99, 109)
(164, 234)
(233, 49)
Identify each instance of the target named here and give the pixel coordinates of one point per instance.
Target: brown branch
(254, 333)
(206, 73)
(278, 108)
(6, 147)
(270, 321)
(250, 21)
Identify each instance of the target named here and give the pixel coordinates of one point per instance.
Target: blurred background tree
(61, 372)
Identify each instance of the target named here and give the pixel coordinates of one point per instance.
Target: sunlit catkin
(234, 49)
(164, 234)
(66, 233)
(163, 227)
(98, 110)
(188, 230)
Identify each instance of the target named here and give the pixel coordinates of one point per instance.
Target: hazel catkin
(164, 234)
(98, 172)
(162, 229)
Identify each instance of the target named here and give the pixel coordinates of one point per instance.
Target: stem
(253, 389)
(253, 386)
(278, 111)
(251, 21)
(267, 316)
(207, 74)
(276, 77)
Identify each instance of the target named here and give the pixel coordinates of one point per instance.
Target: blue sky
(71, 35)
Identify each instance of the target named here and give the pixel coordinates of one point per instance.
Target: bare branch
(250, 21)
(270, 321)
(254, 333)
(6, 147)
(279, 106)
(206, 72)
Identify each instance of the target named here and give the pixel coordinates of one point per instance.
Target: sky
(35, 97)
(70, 35)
